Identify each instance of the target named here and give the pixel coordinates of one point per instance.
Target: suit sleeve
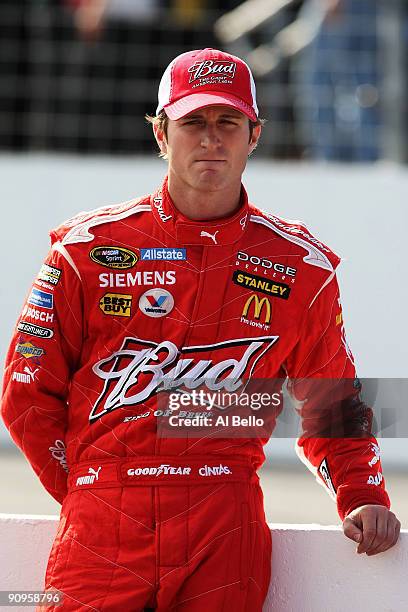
(336, 442)
(44, 352)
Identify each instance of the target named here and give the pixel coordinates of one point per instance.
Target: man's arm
(336, 442)
(44, 352)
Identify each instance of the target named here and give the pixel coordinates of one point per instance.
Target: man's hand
(374, 527)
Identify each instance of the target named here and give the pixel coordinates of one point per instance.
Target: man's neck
(204, 205)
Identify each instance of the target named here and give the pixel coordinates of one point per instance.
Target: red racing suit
(136, 296)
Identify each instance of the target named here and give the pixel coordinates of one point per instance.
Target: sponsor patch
(129, 279)
(325, 473)
(213, 237)
(257, 312)
(50, 274)
(294, 229)
(41, 298)
(211, 72)
(158, 203)
(118, 304)
(136, 359)
(58, 452)
(164, 254)
(26, 377)
(215, 470)
(89, 478)
(44, 285)
(375, 479)
(28, 350)
(156, 303)
(266, 264)
(113, 257)
(34, 330)
(164, 469)
(259, 283)
(38, 315)
(376, 450)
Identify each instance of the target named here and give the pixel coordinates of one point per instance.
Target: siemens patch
(41, 298)
(262, 284)
(163, 254)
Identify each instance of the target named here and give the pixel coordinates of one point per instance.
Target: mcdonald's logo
(259, 305)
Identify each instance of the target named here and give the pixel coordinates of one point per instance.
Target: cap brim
(195, 101)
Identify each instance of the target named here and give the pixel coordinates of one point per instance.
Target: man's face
(208, 149)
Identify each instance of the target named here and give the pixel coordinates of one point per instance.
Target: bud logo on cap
(219, 71)
(205, 77)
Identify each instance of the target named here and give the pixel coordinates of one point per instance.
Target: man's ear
(160, 139)
(256, 133)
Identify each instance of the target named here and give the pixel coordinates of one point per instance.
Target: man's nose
(210, 137)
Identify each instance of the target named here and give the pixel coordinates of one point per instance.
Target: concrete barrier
(315, 568)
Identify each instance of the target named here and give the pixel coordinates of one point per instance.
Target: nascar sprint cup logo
(140, 369)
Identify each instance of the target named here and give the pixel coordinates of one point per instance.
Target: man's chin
(211, 181)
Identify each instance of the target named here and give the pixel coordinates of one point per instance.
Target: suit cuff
(350, 497)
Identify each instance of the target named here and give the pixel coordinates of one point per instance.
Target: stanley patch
(262, 284)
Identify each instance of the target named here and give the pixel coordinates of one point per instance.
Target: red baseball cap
(205, 77)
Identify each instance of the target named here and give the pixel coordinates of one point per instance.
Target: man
(189, 288)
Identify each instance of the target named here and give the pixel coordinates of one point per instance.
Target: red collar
(205, 233)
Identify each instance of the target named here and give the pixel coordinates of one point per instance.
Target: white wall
(360, 212)
(315, 569)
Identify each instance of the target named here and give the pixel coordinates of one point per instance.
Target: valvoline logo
(156, 303)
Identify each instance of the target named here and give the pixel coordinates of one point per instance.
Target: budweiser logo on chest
(211, 71)
(142, 368)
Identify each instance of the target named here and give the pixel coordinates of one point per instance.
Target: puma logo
(212, 236)
(90, 478)
(30, 372)
(95, 473)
